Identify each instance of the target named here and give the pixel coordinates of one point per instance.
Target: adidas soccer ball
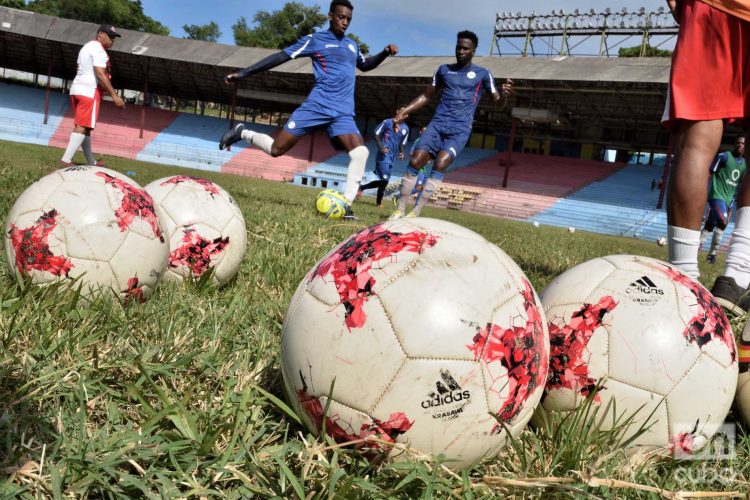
(331, 204)
(204, 226)
(422, 333)
(661, 241)
(89, 223)
(655, 342)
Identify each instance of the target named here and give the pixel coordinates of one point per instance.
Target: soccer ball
(655, 341)
(87, 223)
(204, 226)
(331, 204)
(535, 224)
(422, 333)
(571, 229)
(661, 241)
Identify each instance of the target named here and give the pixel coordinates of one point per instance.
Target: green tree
(207, 32)
(280, 28)
(650, 51)
(15, 4)
(127, 14)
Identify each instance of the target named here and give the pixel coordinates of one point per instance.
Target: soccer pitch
(182, 396)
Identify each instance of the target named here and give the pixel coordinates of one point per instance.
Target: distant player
(331, 102)
(92, 79)
(462, 85)
(421, 176)
(391, 137)
(728, 169)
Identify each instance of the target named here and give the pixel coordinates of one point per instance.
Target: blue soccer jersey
(462, 90)
(334, 60)
(391, 139)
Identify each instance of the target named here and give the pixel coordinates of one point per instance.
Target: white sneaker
(396, 215)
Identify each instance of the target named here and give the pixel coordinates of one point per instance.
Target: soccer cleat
(411, 215)
(394, 200)
(66, 164)
(732, 297)
(711, 258)
(359, 194)
(349, 214)
(231, 136)
(396, 215)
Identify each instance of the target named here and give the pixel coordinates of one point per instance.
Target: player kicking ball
(462, 85)
(331, 102)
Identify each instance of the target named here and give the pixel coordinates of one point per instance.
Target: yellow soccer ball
(331, 204)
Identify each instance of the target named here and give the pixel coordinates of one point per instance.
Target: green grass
(181, 396)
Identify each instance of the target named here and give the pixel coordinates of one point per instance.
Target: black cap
(108, 29)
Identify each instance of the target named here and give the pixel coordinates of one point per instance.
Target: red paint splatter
(387, 430)
(350, 265)
(521, 351)
(209, 186)
(196, 252)
(709, 322)
(682, 445)
(568, 369)
(135, 203)
(134, 293)
(32, 249)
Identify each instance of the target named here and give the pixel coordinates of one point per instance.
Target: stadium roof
(607, 100)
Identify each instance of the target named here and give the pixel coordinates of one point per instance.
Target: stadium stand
(118, 130)
(22, 114)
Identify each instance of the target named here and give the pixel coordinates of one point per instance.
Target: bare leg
(688, 191)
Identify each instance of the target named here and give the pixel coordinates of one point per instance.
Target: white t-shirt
(91, 55)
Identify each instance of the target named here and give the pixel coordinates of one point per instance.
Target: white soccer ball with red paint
(87, 223)
(654, 340)
(204, 226)
(422, 333)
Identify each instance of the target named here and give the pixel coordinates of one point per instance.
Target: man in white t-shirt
(92, 79)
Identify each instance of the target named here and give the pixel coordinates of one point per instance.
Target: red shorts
(86, 109)
(710, 77)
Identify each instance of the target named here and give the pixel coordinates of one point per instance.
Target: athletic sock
(262, 141)
(704, 235)
(358, 161)
(683, 249)
(430, 186)
(74, 143)
(738, 258)
(86, 146)
(408, 181)
(718, 233)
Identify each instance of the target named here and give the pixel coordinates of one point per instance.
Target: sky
(418, 27)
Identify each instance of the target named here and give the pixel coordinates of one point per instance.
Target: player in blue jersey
(331, 102)
(462, 85)
(391, 137)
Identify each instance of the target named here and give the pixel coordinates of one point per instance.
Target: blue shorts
(718, 214)
(436, 138)
(305, 120)
(383, 170)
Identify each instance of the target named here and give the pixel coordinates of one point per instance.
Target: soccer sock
(704, 235)
(74, 143)
(718, 233)
(738, 258)
(358, 161)
(430, 186)
(262, 141)
(683, 249)
(86, 146)
(381, 192)
(408, 181)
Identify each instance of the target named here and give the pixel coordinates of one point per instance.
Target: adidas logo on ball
(447, 391)
(644, 285)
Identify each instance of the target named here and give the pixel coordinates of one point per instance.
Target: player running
(462, 85)
(331, 102)
(728, 169)
(391, 137)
